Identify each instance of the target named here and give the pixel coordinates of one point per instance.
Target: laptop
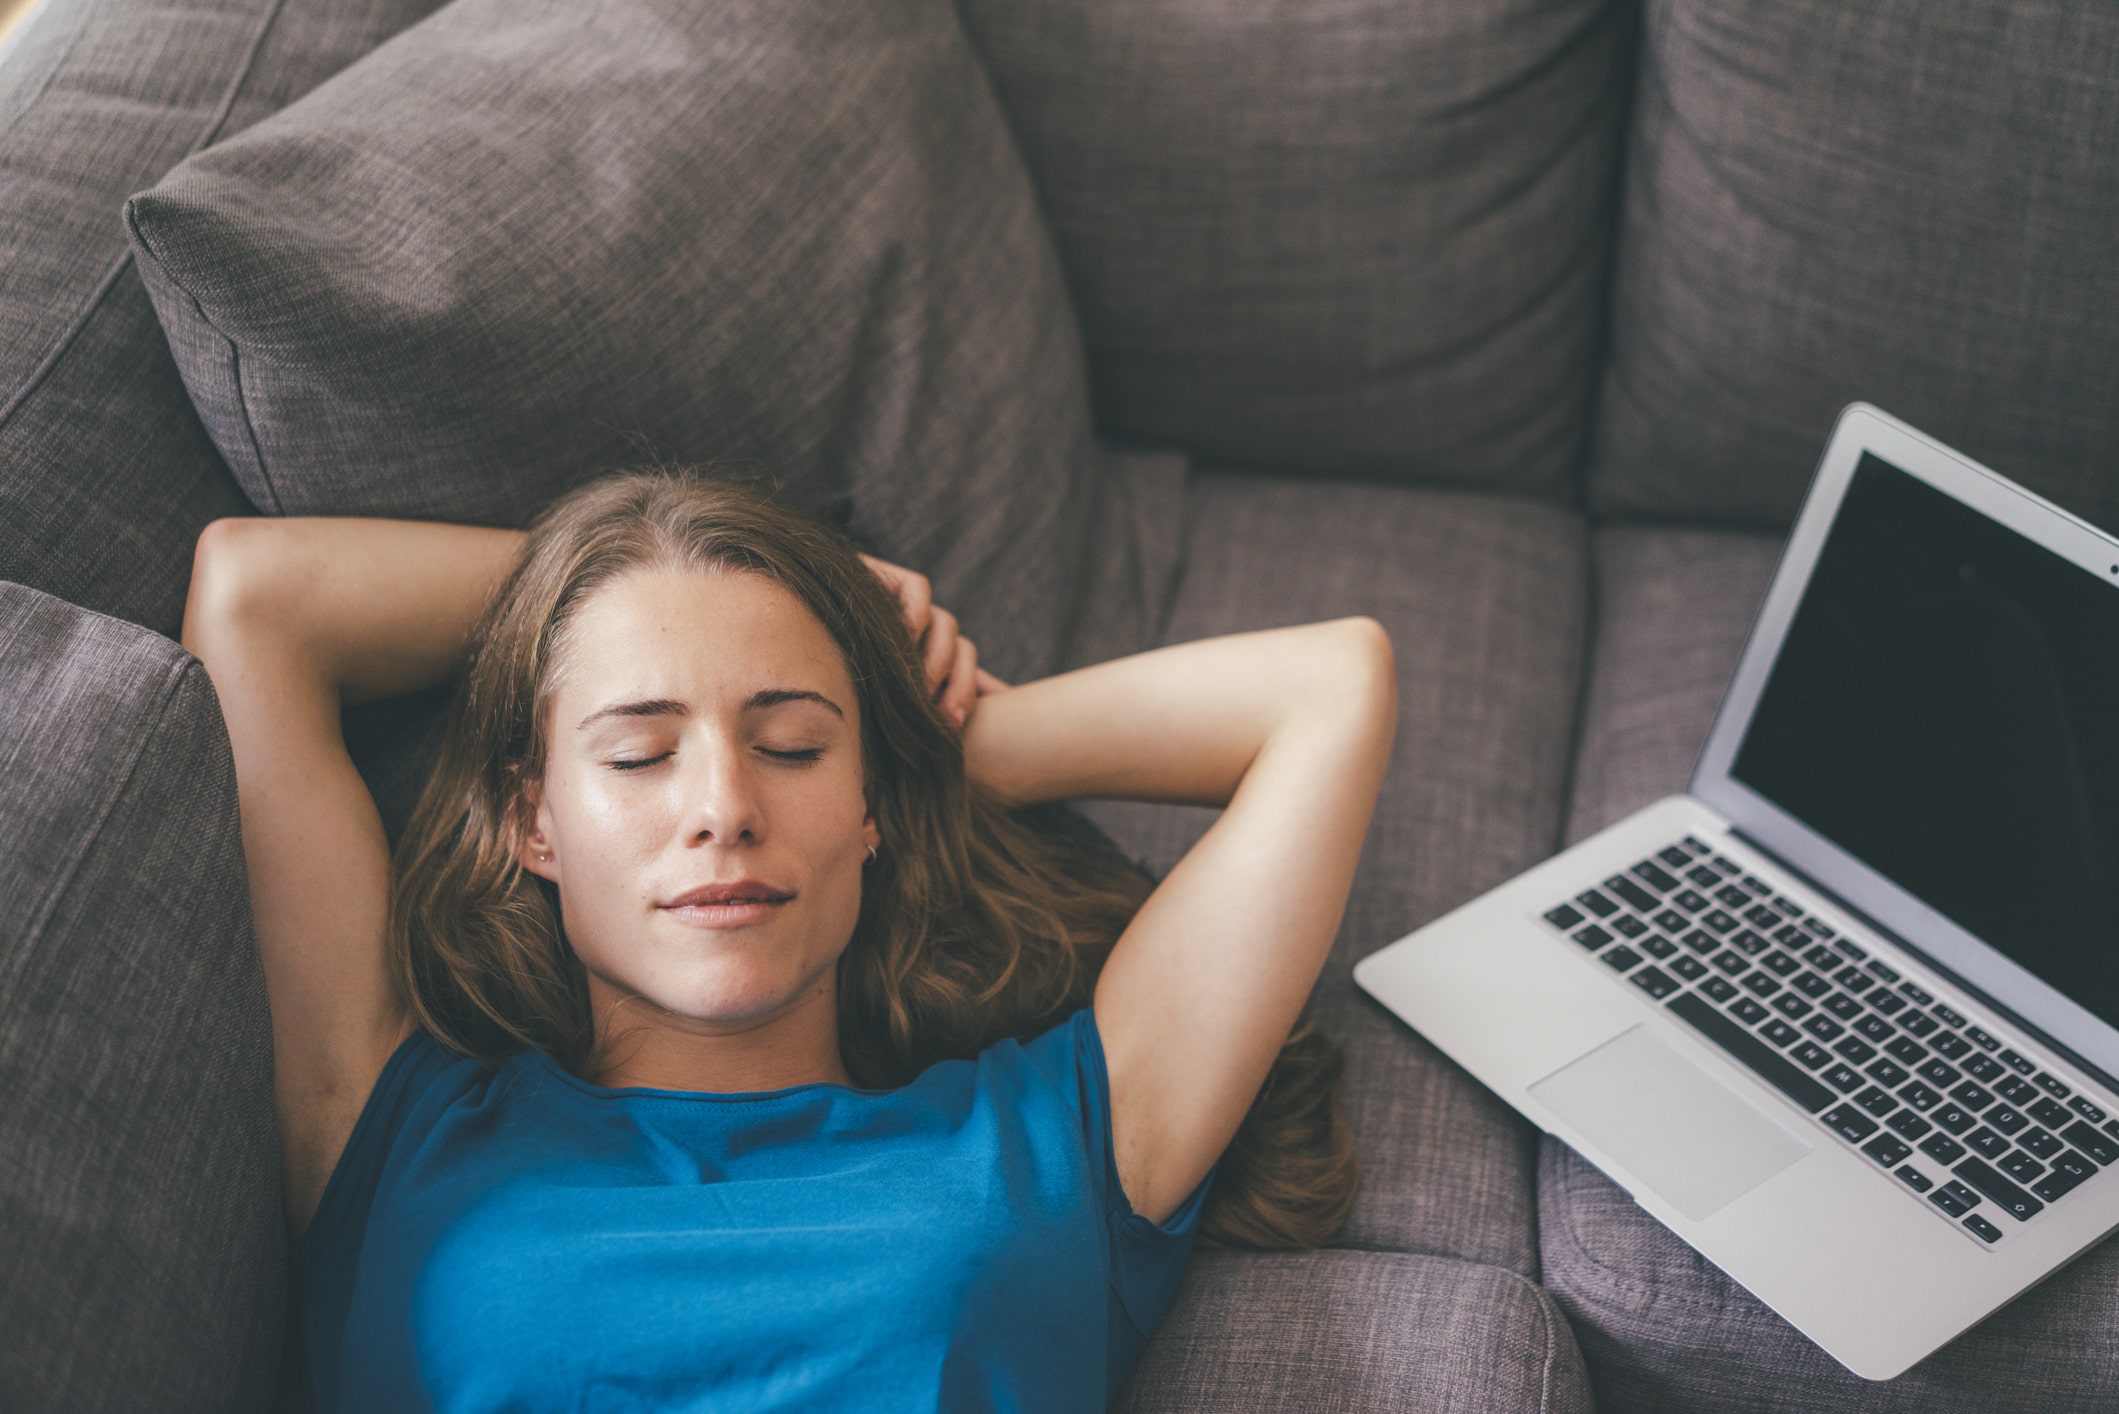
(1845, 1015)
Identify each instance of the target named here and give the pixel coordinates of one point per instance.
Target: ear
(533, 839)
(870, 835)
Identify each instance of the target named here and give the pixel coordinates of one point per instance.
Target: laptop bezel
(1986, 969)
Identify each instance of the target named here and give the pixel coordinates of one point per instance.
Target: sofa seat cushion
(531, 240)
(1484, 598)
(1662, 1328)
(1352, 1331)
(106, 475)
(139, 1163)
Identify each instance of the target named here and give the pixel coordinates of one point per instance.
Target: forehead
(696, 636)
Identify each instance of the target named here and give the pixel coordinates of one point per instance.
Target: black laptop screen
(1946, 709)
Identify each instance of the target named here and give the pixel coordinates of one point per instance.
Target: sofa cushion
(527, 241)
(1909, 202)
(1484, 600)
(1359, 239)
(1661, 1327)
(106, 475)
(139, 1162)
(1353, 1331)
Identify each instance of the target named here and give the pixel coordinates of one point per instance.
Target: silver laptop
(1845, 1016)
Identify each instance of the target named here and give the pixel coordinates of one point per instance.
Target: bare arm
(1290, 729)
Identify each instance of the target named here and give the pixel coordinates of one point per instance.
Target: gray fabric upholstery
(1484, 599)
(1362, 239)
(526, 242)
(139, 1162)
(106, 475)
(1910, 203)
(1661, 1327)
(1352, 1331)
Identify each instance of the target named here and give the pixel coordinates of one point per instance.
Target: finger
(989, 684)
(963, 682)
(941, 647)
(914, 593)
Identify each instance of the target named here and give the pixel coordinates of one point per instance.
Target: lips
(740, 892)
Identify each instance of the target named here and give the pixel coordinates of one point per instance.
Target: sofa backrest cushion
(1913, 203)
(1366, 238)
(140, 1209)
(106, 474)
(531, 240)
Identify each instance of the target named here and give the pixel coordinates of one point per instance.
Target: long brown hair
(974, 925)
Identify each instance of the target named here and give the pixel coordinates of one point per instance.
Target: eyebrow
(670, 707)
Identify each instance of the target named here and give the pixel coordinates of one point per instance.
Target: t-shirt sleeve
(1145, 1259)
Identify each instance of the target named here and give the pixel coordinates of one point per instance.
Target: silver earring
(871, 854)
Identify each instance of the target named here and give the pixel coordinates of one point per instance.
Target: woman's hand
(951, 659)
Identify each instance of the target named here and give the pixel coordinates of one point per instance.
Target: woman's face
(703, 733)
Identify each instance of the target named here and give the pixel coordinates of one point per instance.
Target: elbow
(236, 587)
(1371, 666)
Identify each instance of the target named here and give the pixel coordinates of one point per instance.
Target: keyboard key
(1779, 963)
(1854, 979)
(1780, 1033)
(1915, 1179)
(1820, 957)
(2006, 1119)
(1941, 1074)
(1564, 917)
(1656, 945)
(1886, 1072)
(1630, 892)
(1842, 1006)
(1847, 947)
(1985, 1141)
(1732, 897)
(1920, 1097)
(1876, 1029)
(1954, 1199)
(1877, 1101)
(2017, 1092)
(2019, 1063)
(1687, 966)
(1621, 958)
(2051, 1115)
(1909, 1124)
(1705, 875)
(1913, 992)
(1882, 973)
(1749, 941)
(1731, 962)
(1655, 982)
(1919, 1023)
(1655, 876)
(1758, 915)
(1942, 1148)
(2002, 1189)
(1769, 1064)
(1823, 1027)
(1972, 1096)
(1855, 1049)
(2087, 1110)
(2069, 1169)
(2039, 1142)
(1951, 1117)
(1596, 903)
(1759, 984)
(1981, 1039)
(2097, 1144)
(1981, 1228)
(1906, 1051)
(1951, 1044)
(1820, 927)
(2111, 1127)
(1946, 1016)
(1719, 988)
(1887, 1149)
(1849, 1123)
(1671, 921)
(1748, 1011)
(1889, 1003)
(1627, 926)
(1727, 865)
(2057, 1089)
(1813, 1055)
(1691, 900)
(1984, 1068)
(1719, 921)
(1592, 937)
(2021, 1166)
(1674, 856)
(1785, 904)
(1701, 941)
(1810, 984)
(1843, 1078)
(1791, 1006)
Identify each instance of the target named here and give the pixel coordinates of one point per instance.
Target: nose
(720, 803)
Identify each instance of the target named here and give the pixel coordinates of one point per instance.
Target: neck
(662, 1050)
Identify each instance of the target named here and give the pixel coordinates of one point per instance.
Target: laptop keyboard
(1966, 1122)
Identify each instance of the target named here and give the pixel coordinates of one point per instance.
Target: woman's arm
(1290, 729)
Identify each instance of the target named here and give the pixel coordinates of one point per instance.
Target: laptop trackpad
(1669, 1123)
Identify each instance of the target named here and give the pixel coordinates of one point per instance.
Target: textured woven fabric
(1911, 202)
(1484, 600)
(1364, 238)
(106, 475)
(1662, 1328)
(139, 1163)
(526, 242)
(1354, 1331)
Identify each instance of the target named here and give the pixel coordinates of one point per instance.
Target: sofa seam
(173, 677)
(74, 326)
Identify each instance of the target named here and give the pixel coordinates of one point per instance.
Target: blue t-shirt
(515, 1238)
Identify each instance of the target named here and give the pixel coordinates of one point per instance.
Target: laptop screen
(1945, 708)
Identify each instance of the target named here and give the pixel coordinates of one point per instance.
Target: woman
(720, 1036)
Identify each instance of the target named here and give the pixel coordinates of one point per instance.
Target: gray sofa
(1517, 324)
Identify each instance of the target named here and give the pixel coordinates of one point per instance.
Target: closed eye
(805, 755)
(635, 763)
